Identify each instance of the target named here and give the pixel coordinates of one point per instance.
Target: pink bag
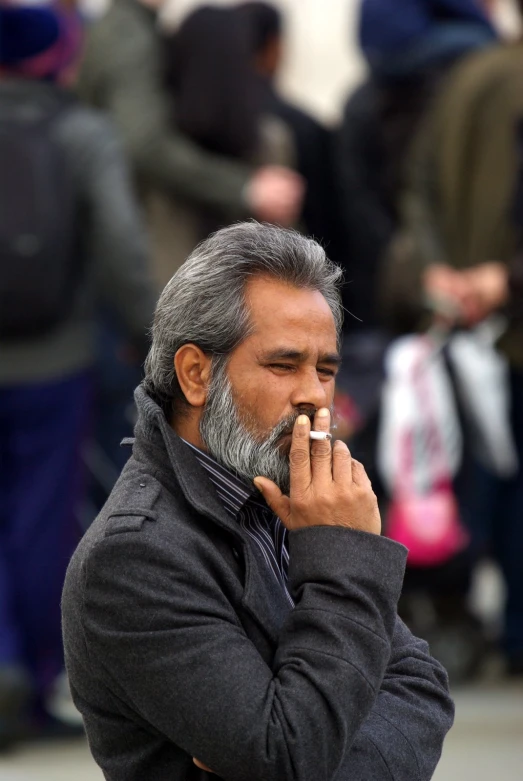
(428, 525)
(426, 521)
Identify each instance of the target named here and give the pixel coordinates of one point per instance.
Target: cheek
(265, 400)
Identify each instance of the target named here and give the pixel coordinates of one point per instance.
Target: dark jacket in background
(112, 247)
(122, 72)
(180, 643)
(313, 144)
(408, 54)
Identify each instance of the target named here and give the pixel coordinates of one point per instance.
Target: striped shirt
(258, 521)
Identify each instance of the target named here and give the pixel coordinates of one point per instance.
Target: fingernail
(323, 412)
(302, 420)
(258, 483)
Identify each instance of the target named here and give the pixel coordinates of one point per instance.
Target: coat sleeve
(403, 735)
(165, 638)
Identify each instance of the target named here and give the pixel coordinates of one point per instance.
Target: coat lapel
(263, 599)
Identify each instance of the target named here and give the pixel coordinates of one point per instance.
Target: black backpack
(38, 263)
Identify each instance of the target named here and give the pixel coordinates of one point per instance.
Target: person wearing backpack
(70, 235)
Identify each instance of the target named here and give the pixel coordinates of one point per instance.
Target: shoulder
(118, 38)
(144, 515)
(146, 539)
(483, 71)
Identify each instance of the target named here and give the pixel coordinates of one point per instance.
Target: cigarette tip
(321, 435)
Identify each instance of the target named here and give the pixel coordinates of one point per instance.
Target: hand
(328, 488)
(473, 293)
(451, 293)
(201, 765)
(275, 194)
(489, 286)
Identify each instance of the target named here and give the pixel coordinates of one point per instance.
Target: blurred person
(69, 232)
(459, 250)
(215, 100)
(408, 46)
(234, 605)
(123, 73)
(263, 24)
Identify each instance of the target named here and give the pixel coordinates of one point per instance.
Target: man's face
(287, 366)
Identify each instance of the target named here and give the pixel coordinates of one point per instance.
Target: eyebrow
(285, 354)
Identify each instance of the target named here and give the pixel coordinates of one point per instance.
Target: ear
(193, 369)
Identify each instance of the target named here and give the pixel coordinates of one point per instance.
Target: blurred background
(392, 131)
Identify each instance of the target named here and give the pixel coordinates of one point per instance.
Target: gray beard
(228, 438)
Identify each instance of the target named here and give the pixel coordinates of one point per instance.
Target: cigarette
(321, 435)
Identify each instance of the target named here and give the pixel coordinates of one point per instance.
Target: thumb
(278, 502)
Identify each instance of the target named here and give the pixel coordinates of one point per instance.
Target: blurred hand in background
(275, 194)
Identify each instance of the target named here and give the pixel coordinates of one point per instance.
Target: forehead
(280, 311)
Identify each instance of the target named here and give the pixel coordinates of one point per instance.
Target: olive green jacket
(458, 208)
(121, 73)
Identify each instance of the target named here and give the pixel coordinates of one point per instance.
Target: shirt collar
(231, 489)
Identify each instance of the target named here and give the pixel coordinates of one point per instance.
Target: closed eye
(282, 366)
(327, 372)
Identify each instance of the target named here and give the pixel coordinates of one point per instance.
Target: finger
(322, 420)
(299, 457)
(321, 450)
(341, 463)
(201, 765)
(359, 475)
(278, 502)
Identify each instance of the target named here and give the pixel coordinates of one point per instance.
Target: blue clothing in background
(42, 432)
(387, 26)
(423, 31)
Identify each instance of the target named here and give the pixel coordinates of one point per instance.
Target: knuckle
(320, 455)
(298, 457)
(342, 453)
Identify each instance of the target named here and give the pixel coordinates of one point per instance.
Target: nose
(310, 392)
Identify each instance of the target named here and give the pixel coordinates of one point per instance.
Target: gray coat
(180, 643)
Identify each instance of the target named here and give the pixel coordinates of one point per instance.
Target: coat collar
(156, 441)
(171, 454)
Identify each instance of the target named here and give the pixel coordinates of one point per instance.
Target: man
(234, 602)
(123, 74)
(70, 235)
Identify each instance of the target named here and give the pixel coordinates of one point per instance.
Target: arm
(166, 158)
(403, 735)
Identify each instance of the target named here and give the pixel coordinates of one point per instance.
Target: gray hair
(204, 302)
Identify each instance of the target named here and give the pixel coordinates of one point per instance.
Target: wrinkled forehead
(279, 311)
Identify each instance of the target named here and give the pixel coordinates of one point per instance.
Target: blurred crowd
(123, 144)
